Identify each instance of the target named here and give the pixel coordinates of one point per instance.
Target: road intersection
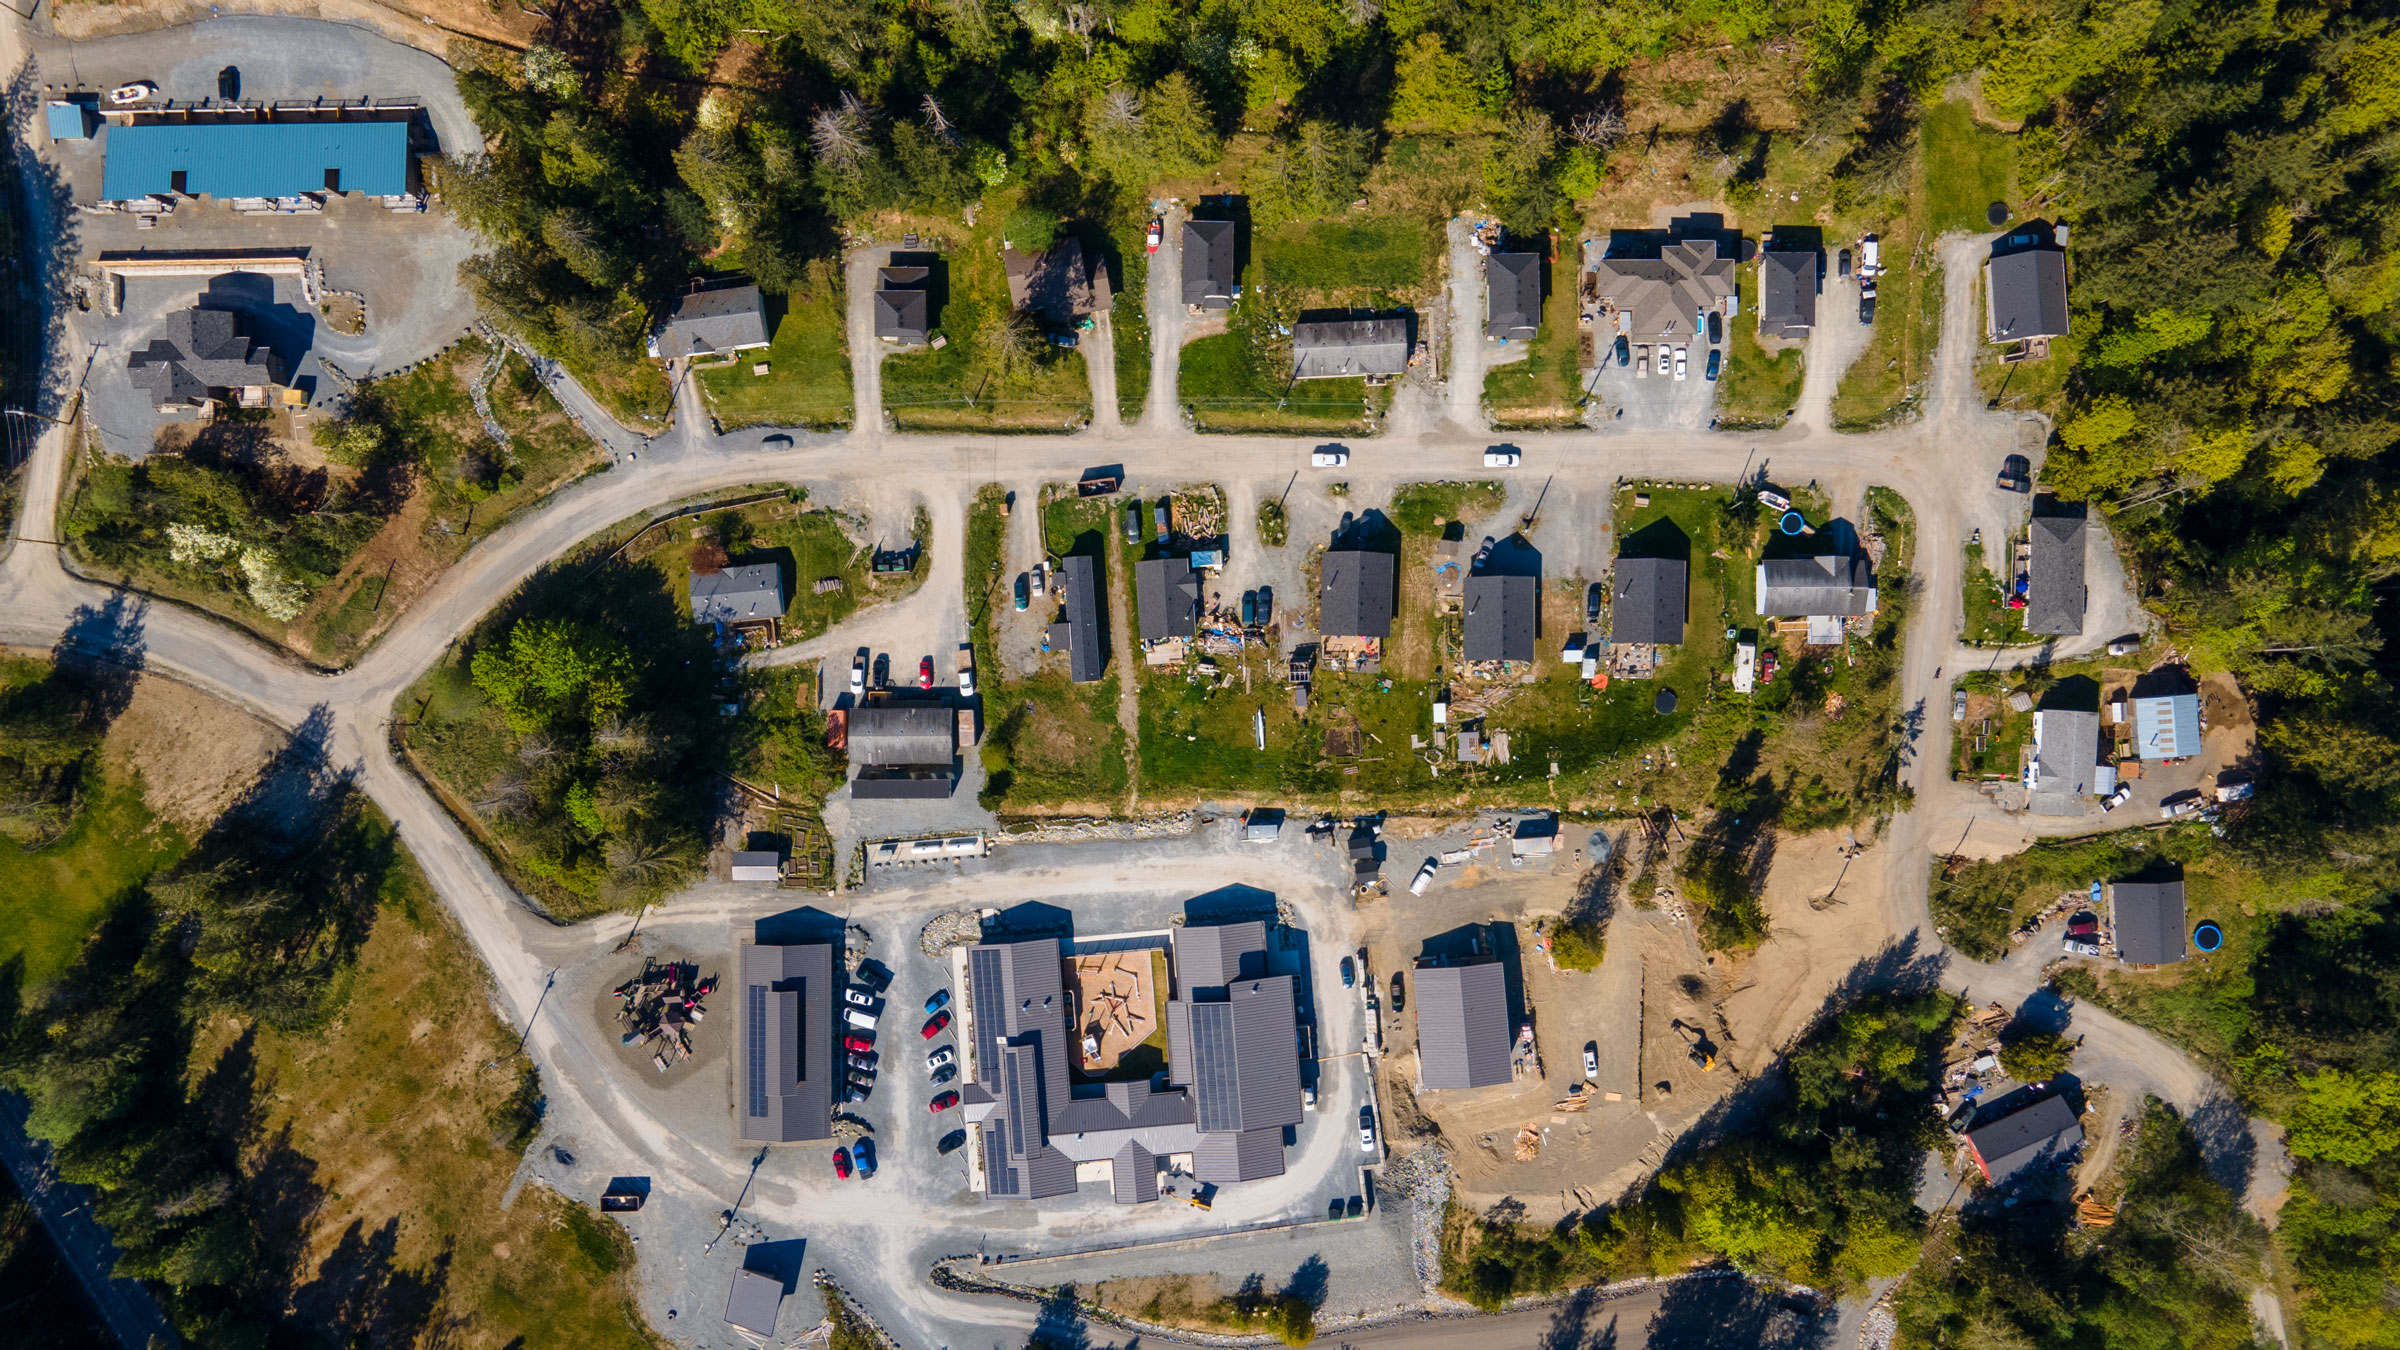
(1941, 464)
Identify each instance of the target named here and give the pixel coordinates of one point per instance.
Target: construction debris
(661, 1005)
(1529, 1143)
(2092, 1214)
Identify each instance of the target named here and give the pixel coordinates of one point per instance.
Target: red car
(925, 673)
(841, 1163)
(936, 1106)
(859, 1043)
(933, 1027)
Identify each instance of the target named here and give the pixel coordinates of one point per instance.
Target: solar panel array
(758, 1050)
(1216, 1085)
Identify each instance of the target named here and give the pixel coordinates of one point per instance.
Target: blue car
(863, 1153)
(939, 1001)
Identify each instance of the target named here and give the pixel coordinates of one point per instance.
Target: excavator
(1703, 1050)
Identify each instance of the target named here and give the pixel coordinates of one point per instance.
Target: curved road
(1957, 442)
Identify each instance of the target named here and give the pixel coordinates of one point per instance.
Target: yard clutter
(660, 1005)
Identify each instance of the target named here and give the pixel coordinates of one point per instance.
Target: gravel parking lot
(1657, 400)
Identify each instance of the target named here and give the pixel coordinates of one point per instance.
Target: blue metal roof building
(2167, 727)
(255, 159)
(70, 120)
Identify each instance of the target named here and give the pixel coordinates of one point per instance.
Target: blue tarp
(255, 159)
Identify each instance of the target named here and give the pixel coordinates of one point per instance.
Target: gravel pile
(1169, 826)
(956, 928)
(1423, 1176)
(1875, 1332)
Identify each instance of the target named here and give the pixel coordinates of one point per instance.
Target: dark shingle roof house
(903, 303)
(2148, 917)
(198, 352)
(784, 1068)
(1167, 592)
(2025, 286)
(1500, 617)
(2054, 595)
(1233, 1072)
(1787, 293)
(714, 323)
(1327, 349)
(1208, 276)
(1062, 286)
(254, 159)
(1462, 1025)
(1087, 641)
(2066, 751)
(752, 593)
(1513, 284)
(1828, 584)
(1667, 297)
(1649, 602)
(2037, 1132)
(1355, 589)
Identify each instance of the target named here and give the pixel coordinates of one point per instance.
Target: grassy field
(408, 1115)
(1887, 381)
(1546, 388)
(2031, 386)
(807, 383)
(1047, 741)
(1379, 262)
(1757, 392)
(1988, 619)
(1130, 320)
(959, 388)
(1978, 908)
(806, 545)
(1221, 385)
(1967, 168)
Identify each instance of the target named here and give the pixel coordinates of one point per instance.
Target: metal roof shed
(1462, 1025)
(755, 1300)
(2149, 921)
(254, 159)
(755, 866)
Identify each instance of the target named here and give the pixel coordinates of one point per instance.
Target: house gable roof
(2043, 1129)
(1337, 348)
(1462, 1025)
(1513, 295)
(1087, 651)
(1167, 594)
(2027, 295)
(1208, 277)
(1650, 599)
(196, 351)
(2066, 751)
(743, 594)
(2054, 596)
(2148, 917)
(1355, 590)
(1500, 617)
(711, 323)
(1827, 584)
(1787, 292)
(1664, 294)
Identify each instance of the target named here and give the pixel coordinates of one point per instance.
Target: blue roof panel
(70, 121)
(255, 159)
(2167, 727)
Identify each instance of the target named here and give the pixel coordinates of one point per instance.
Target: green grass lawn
(1130, 319)
(60, 892)
(2030, 386)
(1967, 168)
(1420, 508)
(1988, 619)
(1546, 388)
(1221, 385)
(1755, 392)
(1887, 381)
(956, 388)
(806, 545)
(808, 379)
(1977, 909)
(1376, 262)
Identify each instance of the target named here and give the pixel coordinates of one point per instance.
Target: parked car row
(880, 672)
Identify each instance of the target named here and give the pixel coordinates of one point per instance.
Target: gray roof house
(754, 1301)
(2025, 286)
(1209, 280)
(2054, 595)
(1649, 602)
(2039, 1131)
(1829, 584)
(1087, 642)
(1330, 349)
(1355, 593)
(1462, 1025)
(752, 593)
(199, 353)
(2149, 921)
(1167, 592)
(902, 750)
(1787, 293)
(1664, 297)
(1500, 617)
(1233, 1072)
(784, 1068)
(714, 323)
(1513, 291)
(2066, 750)
(903, 303)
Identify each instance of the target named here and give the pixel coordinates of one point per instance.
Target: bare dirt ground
(429, 24)
(195, 754)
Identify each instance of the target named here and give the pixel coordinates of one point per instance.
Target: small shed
(756, 866)
(755, 1300)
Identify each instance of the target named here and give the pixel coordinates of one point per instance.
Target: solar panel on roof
(758, 1050)
(1216, 1086)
